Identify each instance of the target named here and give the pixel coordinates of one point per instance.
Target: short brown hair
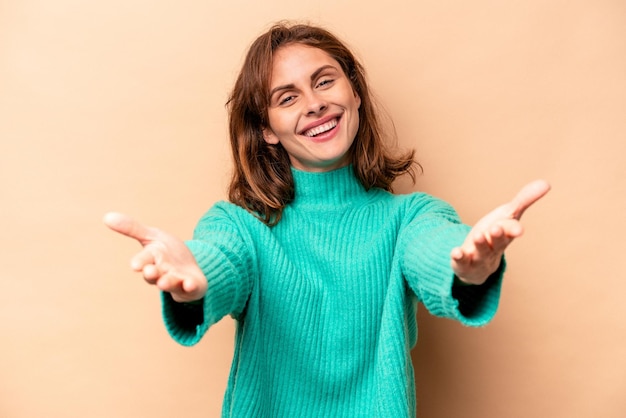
(262, 181)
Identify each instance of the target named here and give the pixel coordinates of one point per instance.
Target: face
(313, 111)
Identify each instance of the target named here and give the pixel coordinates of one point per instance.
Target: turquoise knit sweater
(325, 301)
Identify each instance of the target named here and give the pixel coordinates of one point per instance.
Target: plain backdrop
(119, 105)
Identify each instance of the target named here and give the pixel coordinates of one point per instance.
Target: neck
(337, 187)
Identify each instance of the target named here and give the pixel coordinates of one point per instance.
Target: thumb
(128, 226)
(529, 194)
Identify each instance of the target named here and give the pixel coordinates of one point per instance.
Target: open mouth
(320, 129)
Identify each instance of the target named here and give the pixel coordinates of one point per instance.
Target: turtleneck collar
(337, 187)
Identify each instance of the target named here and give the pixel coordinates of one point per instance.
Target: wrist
(461, 282)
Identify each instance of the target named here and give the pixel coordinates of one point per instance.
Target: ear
(269, 136)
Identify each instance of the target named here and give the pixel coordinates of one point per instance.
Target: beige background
(119, 105)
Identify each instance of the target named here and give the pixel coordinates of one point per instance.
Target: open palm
(165, 260)
(481, 253)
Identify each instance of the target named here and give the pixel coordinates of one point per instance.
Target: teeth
(321, 128)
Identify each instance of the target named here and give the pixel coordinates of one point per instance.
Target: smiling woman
(314, 111)
(319, 263)
(304, 69)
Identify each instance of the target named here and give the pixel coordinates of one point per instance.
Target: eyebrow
(291, 86)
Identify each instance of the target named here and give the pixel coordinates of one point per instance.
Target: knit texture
(325, 301)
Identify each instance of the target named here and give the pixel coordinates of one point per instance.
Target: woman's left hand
(481, 253)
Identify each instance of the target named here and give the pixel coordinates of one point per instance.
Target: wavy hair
(262, 181)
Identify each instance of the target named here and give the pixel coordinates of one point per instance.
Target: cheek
(356, 106)
(282, 121)
(357, 100)
(356, 119)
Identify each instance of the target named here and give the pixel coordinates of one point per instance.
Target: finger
(483, 243)
(189, 286)
(503, 233)
(500, 241)
(457, 254)
(511, 228)
(460, 262)
(142, 259)
(151, 273)
(169, 283)
(126, 225)
(528, 195)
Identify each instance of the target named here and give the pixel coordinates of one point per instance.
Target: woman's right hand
(165, 260)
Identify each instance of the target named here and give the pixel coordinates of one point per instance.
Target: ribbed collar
(338, 187)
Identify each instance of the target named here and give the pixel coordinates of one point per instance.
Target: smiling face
(313, 111)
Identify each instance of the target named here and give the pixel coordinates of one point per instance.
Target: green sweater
(325, 301)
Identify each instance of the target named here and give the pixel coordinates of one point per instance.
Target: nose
(315, 104)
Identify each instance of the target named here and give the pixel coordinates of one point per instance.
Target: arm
(427, 242)
(201, 280)
(481, 253)
(444, 258)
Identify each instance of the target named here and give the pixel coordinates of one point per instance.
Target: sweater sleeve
(428, 240)
(225, 257)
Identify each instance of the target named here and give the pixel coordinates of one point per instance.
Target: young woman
(319, 263)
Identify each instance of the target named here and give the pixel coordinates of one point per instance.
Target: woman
(321, 266)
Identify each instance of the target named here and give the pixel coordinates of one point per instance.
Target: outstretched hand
(165, 260)
(481, 253)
